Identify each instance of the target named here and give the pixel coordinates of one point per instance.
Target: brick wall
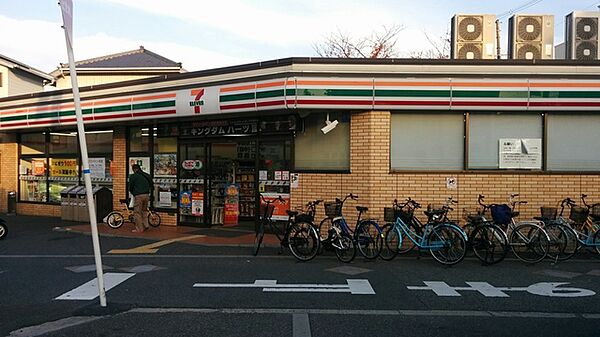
(8, 170)
(371, 179)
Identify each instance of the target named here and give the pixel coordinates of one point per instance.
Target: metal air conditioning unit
(473, 36)
(531, 37)
(581, 36)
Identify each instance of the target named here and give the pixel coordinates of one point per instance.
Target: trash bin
(72, 203)
(12, 203)
(102, 202)
(66, 209)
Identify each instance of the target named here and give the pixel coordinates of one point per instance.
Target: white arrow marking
(89, 290)
(355, 287)
(549, 289)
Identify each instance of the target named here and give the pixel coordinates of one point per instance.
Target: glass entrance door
(192, 184)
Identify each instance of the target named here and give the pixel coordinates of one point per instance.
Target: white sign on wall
(97, 167)
(520, 153)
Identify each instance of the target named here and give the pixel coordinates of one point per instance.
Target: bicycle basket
(501, 214)
(270, 208)
(333, 209)
(390, 214)
(595, 212)
(472, 214)
(578, 214)
(549, 212)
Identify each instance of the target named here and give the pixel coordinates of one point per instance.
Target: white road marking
(354, 287)
(548, 289)
(300, 325)
(89, 290)
(49, 327)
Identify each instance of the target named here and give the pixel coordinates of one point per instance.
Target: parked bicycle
(528, 240)
(116, 219)
(335, 234)
(298, 234)
(445, 241)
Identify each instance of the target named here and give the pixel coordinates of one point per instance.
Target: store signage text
(192, 164)
(197, 103)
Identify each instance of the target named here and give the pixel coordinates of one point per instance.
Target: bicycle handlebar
(268, 202)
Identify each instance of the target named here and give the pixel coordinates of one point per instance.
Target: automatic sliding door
(192, 183)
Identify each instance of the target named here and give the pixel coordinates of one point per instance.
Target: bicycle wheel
(489, 243)
(259, 228)
(369, 239)
(596, 241)
(563, 242)
(343, 244)
(153, 219)
(324, 227)
(391, 242)
(3, 231)
(115, 220)
(447, 244)
(529, 243)
(303, 241)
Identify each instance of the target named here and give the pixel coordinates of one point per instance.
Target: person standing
(140, 184)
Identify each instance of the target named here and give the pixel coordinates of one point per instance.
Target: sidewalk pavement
(213, 236)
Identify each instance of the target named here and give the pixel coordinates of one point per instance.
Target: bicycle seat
(123, 201)
(291, 213)
(514, 214)
(362, 209)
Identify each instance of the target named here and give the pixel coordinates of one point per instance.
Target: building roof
(14, 64)
(138, 58)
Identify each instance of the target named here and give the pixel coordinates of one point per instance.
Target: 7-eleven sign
(197, 101)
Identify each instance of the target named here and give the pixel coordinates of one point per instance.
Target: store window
(139, 139)
(32, 178)
(427, 142)
(63, 143)
(100, 148)
(33, 143)
(521, 135)
(64, 172)
(165, 172)
(315, 151)
(573, 142)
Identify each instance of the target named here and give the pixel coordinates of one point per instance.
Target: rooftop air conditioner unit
(531, 37)
(581, 36)
(473, 36)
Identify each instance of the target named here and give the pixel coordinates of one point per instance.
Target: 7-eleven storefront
(426, 129)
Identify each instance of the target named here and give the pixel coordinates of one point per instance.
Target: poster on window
(63, 167)
(144, 163)
(97, 168)
(39, 168)
(232, 201)
(197, 203)
(279, 213)
(165, 165)
(520, 153)
(185, 202)
(164, 199)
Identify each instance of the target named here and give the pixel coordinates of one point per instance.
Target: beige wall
(22, 83)
(87, 80)
(3, 81)
(376, 187)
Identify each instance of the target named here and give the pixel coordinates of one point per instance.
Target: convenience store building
(427, 129)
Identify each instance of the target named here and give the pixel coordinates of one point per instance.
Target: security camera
(330, 126)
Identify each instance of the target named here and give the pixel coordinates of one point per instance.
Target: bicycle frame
(422, 240)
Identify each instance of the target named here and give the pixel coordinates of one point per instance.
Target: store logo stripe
(335, 92)
(237, 97)
(564, 85)
(482, 103)
(333, 102)
(565, 94)
(154, 97)
(489, 94)
(333, 82)
(238, 106)
(153, 105)
(435, 103)
(565, 104)
(269, 94)
(154, 113)
(270, 103)
(412, 93)
(253, 86)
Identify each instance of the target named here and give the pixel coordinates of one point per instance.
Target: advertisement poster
(144, 163)
(39, 167)
(185, 202)
(285, 175)
(165, 165)
(63, 167)
(277, 175)
(164, 199)
(295, 178)
(197, 203)
(262, 175)
(520, 153)
(279, 212)
(232, 201)
(97, 168)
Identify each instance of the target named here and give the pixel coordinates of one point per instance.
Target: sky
(206, 35)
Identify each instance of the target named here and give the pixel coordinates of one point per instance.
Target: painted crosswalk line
(89, 290)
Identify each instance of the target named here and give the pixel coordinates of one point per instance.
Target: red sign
(232, 208)
(279, 213)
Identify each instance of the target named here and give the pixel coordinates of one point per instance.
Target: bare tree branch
(378, 45)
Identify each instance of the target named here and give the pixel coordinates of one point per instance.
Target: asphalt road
(189, 290)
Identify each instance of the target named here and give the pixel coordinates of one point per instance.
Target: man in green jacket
(140, 184)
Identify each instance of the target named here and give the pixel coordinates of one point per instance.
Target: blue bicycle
(335, 232)
(446, 242)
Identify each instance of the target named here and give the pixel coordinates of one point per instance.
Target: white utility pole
(66, 7)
